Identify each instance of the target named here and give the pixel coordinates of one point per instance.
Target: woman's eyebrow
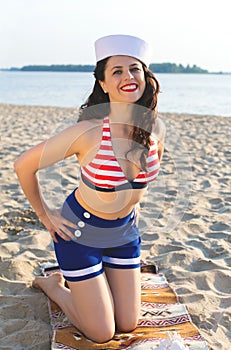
(131, 65)
(116, 67)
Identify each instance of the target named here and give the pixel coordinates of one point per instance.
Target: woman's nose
(128, 74)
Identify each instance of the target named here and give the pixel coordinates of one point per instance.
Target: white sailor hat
(119, 44)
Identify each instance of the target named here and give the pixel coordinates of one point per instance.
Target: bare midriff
(108, 205)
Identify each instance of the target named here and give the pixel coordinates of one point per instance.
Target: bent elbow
(21, 166)
(17, 165)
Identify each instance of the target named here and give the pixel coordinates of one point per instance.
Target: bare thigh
(126, 292)
(94, 305)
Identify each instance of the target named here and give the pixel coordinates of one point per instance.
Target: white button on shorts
(78, 233)
(81, 224)
(86, 215)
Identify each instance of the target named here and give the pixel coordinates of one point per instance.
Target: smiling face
(124, 79)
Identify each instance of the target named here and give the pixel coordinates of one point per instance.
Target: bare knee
(100, 334)
(126, 325)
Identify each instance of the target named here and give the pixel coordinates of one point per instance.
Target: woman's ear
(102, 84)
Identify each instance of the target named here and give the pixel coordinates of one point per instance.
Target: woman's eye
(135, 69)
(118, 71)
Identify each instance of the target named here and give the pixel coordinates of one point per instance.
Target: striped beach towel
(161, 314)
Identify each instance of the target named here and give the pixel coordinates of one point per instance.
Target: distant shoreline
(155, 67)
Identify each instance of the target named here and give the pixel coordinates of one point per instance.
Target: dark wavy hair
(143, 118)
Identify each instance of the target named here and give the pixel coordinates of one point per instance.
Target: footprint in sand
(202, 265)
(216, 203)
(219, 226)
(205, 184)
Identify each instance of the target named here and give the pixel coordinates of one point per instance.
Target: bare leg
(126, 291)
(53, 287)
(88, 304)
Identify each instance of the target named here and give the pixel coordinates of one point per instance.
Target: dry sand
(185, 222)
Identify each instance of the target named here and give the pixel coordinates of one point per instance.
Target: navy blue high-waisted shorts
(98, 243)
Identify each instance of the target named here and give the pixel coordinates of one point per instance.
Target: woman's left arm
(159, 133)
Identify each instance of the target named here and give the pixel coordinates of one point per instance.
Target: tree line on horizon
(154, 67)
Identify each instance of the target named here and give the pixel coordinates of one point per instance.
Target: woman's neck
(121, 112)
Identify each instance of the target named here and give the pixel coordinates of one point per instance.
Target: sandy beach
(185, 222)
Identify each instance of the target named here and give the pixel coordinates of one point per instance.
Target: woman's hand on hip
(57, 224)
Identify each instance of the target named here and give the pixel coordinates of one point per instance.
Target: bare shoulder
(80, 130)
(87, 128)
(85, 135)
(90, 122)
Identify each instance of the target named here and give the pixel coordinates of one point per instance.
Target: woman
(95, 236)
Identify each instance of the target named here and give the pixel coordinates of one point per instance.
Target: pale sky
(64, 31)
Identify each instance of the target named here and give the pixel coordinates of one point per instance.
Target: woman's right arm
(57, 148)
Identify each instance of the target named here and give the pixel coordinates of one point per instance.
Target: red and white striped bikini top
(104, 173)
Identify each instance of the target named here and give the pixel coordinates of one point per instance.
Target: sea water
(208, 94)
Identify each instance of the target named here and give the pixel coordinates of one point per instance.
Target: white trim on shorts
(119, 261)
(82, 272)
